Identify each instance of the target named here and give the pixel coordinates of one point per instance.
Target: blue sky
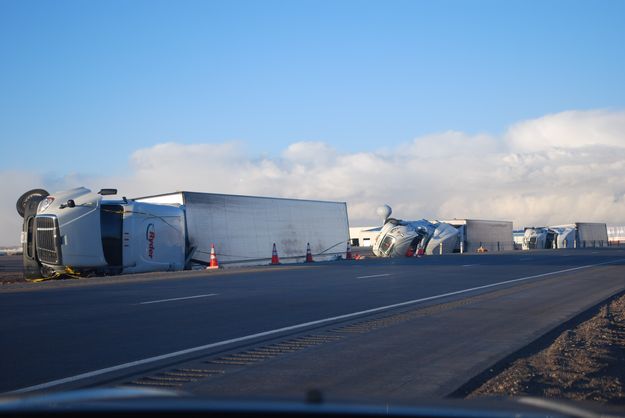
(85, 78)
(432, 107)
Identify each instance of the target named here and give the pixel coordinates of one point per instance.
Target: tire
(31, 195)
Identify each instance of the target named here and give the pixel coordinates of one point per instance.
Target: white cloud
(556, 169)
(570, 129)
(13, 184)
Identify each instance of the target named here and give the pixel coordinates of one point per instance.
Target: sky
(485, 109)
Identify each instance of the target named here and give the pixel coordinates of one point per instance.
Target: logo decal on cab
(150, 235)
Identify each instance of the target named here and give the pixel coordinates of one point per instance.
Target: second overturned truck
(88, 233)
(575, 235)
(399, 238)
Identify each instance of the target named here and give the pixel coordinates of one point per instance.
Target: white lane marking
(284, 329)
(169, 300)
(374, 275)
(469, 265)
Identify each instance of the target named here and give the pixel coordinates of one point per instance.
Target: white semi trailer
(87, 233)
(489, 235)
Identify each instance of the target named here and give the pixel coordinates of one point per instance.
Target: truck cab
(79, 232)
(399, 238)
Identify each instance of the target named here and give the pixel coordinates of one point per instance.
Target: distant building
(517, 237)
(11, 251)
(363, 236)
(616, 234)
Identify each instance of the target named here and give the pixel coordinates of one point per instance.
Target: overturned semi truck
(399, 238)
(575, 235)
(89, 233)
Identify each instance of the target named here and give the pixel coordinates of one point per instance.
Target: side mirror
(106, 192)
(70, 204)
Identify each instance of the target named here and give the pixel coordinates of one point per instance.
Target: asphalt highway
(10, 268)
(441, 317)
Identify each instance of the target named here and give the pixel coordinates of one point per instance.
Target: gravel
(584, 363)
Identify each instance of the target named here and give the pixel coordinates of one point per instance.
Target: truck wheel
(37, 194)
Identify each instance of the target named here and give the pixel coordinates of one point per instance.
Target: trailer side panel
(491, 235)
(244, 228)
(591, 234)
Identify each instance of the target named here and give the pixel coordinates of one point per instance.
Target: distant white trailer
(487, 234)
(588, 234)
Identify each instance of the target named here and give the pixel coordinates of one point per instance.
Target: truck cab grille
(48, 239)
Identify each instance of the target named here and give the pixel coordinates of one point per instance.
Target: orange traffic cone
(348, 256)
(214, 264)
(410, 252)
(309, 258)
(420, 252)
(274, 255)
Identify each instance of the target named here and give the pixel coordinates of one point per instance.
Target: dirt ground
(584, 363)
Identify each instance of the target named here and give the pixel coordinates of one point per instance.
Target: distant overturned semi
(575, 235)
(81, 232)
(399, 238)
